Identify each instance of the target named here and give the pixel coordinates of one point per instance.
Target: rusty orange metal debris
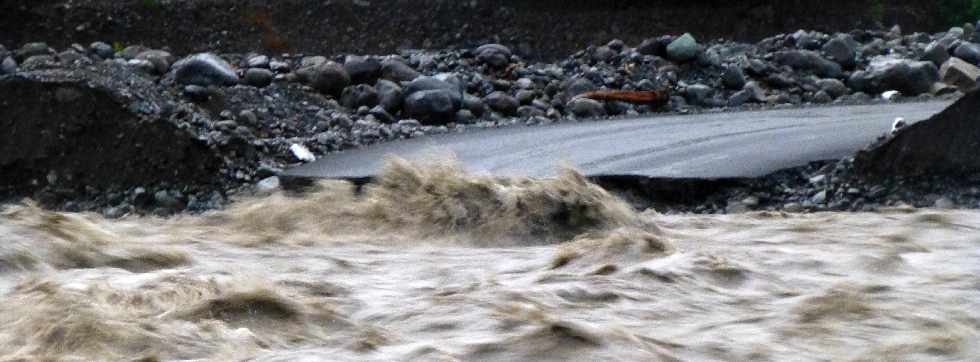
(656, 98)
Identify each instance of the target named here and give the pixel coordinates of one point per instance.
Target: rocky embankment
(132, 129)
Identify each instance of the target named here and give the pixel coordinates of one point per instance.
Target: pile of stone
(256, 110)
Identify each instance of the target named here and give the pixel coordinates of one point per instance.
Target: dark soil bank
(539, 28)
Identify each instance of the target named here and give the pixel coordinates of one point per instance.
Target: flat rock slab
(716, 145)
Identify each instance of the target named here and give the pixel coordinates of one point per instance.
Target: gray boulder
(474, 104)
(431, 107)
(327, 77)
(733, 77)
(395, 70)
(359, 95)
(883, 74)
(382, 114)
(842, 49)
(495, 55)
(452, 85)
(833, 87)
(739, 98)
(969, 52)
(821, 97)
(258, 77)
(698, 94)
(959, 73)
(683, 49)
(577, 86)
(204, 70)
(362, 70)
(8, 66)
(603, 54)
(586, 108)
(502, 102)
(810, 61)
(258, 61)
(161, 60)
(101, 49)
(389, 95)
(655, 46)
(936, 53)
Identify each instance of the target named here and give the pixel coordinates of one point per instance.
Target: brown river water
(433, 264)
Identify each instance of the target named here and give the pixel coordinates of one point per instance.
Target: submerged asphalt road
(717, 145)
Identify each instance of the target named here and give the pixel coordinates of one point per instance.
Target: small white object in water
(302, 153)
(889, 95)
(898, 124)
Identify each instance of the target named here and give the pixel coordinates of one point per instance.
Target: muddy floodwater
(433, 264)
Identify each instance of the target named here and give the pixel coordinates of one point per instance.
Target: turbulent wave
(72, 241)
(438, 200)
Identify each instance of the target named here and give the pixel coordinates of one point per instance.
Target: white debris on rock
(898, 124)
(890, 95)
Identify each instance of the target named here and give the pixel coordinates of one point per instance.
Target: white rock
(890, 95)
(302, 153)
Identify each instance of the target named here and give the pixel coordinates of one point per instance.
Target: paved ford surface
(739, 144)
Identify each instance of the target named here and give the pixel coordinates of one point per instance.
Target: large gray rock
(733, 77)
(474, 104)
(204, 70)
(946, 143)
(603, 54)
(397, 71)
(258, 61)
(432, 107)
(739, 98)
(448, 83)
(698, 94)
(103, 50)
(362, 70)
(969, 52)
(683, 49)
(8, 66)
(577, 86)
(258, 77)
(842, 49)
(586, 108)
(810, 61)
(502, 102)
(959, 73)
(495, 55)
(655, 46)
(327, 77)
(936, 53)
(887, 73)
(161, 60)
(833, 87)
(389, 95)
(359, 95)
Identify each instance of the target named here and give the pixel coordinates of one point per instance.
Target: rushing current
(430, 263)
